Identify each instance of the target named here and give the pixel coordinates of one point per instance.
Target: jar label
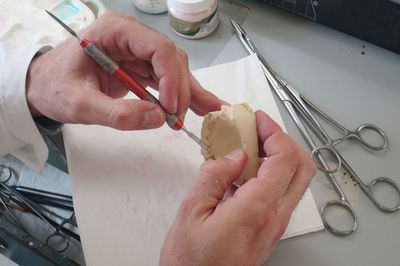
(192, 29)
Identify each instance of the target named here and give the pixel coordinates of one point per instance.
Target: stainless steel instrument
(300, 109)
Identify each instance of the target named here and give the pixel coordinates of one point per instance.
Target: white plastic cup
(193, 19)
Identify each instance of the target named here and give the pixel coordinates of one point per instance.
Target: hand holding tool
(111, 67)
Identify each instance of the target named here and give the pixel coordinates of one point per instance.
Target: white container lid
(190, 6)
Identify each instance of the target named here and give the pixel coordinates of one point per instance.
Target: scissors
(299, 108)
(43, 213)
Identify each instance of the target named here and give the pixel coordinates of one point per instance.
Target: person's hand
(66, 85)
(212, 228)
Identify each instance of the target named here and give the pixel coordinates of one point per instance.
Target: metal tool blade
(71, 31)
(195, 138)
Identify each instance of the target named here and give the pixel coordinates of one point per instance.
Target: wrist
(33, 82)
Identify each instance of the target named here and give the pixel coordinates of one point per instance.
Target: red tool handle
(133, 85)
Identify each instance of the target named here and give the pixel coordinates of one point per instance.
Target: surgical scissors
(36, 209)
(299, 107)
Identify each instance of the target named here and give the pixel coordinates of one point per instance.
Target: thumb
(214, 178)
(123, 114)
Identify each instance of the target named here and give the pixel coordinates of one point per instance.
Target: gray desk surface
(330, 69)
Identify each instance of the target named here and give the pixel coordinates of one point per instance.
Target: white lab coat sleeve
(19, 134)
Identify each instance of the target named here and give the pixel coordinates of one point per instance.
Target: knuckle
(276, 137)
(310, 168)
(291, 155)
(217, 168)
(119, 30)
(286, 142)
(290, 160)
(208, 167)
(120, 116)
(313, 168)
(169, 46)
(184, 57)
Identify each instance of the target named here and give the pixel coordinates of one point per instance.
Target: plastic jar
(193, 19)
(151, 6)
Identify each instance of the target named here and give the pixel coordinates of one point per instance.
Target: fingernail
(235, 155)
(224, 102)
(182, 116)
(152, 118)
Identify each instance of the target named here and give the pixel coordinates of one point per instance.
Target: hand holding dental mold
(218, 225)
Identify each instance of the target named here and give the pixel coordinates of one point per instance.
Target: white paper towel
(127, 186)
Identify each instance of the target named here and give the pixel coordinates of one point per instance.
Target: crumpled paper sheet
(128, 185)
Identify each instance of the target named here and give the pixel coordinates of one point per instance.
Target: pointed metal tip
(71, 31)
(239, 30)
(204, 146)
(195, 138)
(234, 23)
(243, 37)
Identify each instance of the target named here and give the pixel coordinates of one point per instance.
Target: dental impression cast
(193, 19)
(232, 128)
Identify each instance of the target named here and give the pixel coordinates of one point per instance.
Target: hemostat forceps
(299, 108)
(42, 213)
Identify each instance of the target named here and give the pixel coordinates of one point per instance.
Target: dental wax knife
(111, 67)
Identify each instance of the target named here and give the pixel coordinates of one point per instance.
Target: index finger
(276, 172)
(162, 54)
(282, 158)
(202, 101)
(265, 126)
